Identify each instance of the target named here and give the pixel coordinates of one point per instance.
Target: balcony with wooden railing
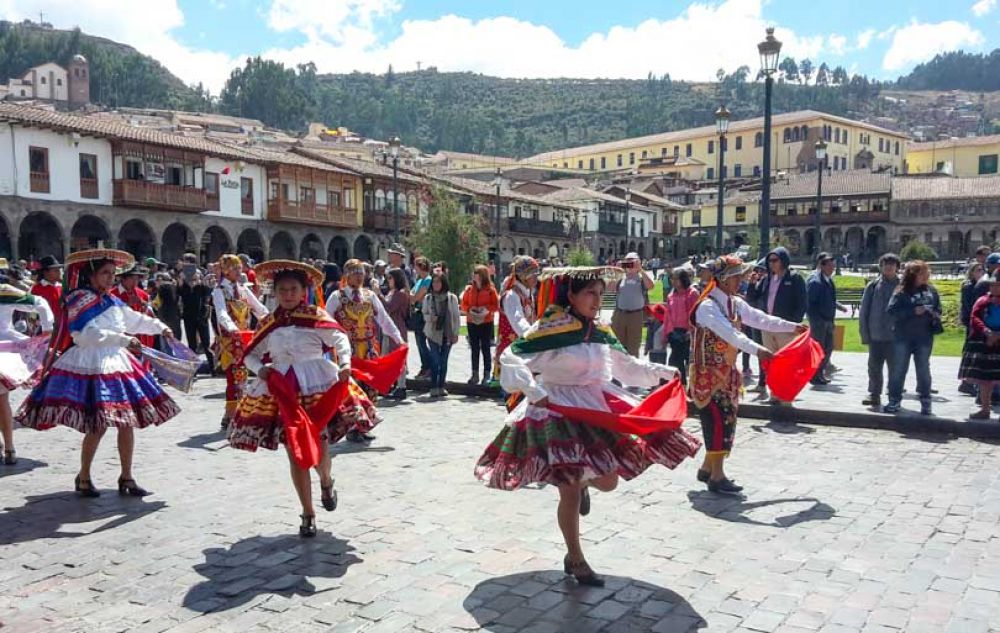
(537, 227)
(385, 221)
(144, 194)
(843, 217)
(309, 212)
(39, 181)
(89, 188)
(610, 227)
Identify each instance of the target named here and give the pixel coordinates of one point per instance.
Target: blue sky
(200, 40)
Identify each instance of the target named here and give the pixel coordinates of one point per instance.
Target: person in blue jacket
(916, 310)
(821, 307)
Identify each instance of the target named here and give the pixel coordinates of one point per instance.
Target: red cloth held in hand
(302, 428)
(793, 366)
(380, 373)
(664, 409)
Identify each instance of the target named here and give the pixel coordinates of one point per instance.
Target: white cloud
(836, 44)
(143, 25)
(984, 7)
(865, 38)
(917, 42)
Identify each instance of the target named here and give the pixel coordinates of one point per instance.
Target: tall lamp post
(497, 181)
(769, 50)
(394, 144)
(628, 209)
(818, 221)
(721, 126)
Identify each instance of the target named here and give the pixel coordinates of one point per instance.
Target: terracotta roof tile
(835, 183)
(943, 187)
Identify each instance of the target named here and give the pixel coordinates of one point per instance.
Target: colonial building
(961, 157)
(68, 86)
(953, 215)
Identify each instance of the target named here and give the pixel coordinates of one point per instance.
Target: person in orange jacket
(479, 305)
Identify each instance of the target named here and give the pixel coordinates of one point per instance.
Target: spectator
(630, 304)
(480, 303)
(822, 308)
(981, 354)
(982, 287)
(704, 276)
(331, 280)
(248, 270)
(968, 298)
(379, 282)
(195, 296)
(397, 255)
(417, 295)
(676, 330)
(876, 325)
(781, 293)
(167, 304)
(442, 322)
(397, 305)
(916, 311)
(981, 254)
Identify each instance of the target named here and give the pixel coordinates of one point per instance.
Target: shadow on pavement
(784, 428)
(517, 601)
(344, 447)
(737, 510)
(23, 465)
(44, 516)
(285, 566)
(215, 396)
(202, 440)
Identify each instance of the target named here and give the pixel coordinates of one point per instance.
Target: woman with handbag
(916, 311)
(442, 320)
(677, 320)
(480, 303)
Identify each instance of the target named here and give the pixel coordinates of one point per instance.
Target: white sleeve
(637, 372)
(333, 303)
(44, 312)
(225, 321)
(92, 335)
(341, 345)
(139, 323)
(385, 322)
(709, 316)
(254, 361)
(761, 320)
(258, 308)
(516, 374)
(512, 308)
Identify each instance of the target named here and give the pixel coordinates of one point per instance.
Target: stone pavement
(842, 530)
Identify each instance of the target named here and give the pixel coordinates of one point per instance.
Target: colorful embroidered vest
(358, 318)
(507, 333)
(236, 306)
(713, 360)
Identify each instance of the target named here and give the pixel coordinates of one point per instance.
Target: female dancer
(14, 371)
(292, 341)
(93, 382)
(568, 358)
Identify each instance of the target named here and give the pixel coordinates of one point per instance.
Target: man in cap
(129, 290)
(49, 284)
(379, 282)
(715, 381)
(397, 259)
(631, 300)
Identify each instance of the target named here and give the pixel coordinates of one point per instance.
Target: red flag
(793, 366)
(664, 409)
(302, 428)
(380, 373)
(225, 170)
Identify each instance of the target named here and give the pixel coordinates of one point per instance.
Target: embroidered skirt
(980, 363)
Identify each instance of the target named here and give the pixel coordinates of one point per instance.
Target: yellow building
(850, 145)
(961, 157)
(740, 213)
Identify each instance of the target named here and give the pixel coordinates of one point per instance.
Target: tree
(789, 68)
(915, 249)
(823, 75)
(806, 70)
(839, 76)
(451, 236)
(579, 256)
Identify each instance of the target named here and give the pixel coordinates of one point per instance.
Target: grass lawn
(947, 344)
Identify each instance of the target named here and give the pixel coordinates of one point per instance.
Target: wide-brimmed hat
(121, 259)
(267, 270)
(397, 249)
(728, 266)
(604, 273)
(135, 270)
(631, 257)
(48, 262)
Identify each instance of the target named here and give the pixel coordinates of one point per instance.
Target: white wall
(229, 187)
(64, 164)
(55, 85)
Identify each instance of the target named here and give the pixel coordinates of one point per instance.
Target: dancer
(517, 306)
(292, 341)
(569, 358)
(715, 381)
(92, 382)
(48, 285)
(981, 354)
(233, 303)
(130, 292)
(361, 313)
(13, 370)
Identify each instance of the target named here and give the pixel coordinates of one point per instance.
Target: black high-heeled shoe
(328, 496)
(308, 527)
(89, 492)
(128, 488)
(582, 572)
(10, 457)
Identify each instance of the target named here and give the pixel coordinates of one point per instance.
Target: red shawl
(663, 410)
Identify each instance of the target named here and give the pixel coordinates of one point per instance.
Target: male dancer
(517, 306)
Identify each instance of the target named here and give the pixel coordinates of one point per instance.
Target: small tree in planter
(915, 249)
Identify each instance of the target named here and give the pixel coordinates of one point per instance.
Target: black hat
(135, 269)
(48, 262)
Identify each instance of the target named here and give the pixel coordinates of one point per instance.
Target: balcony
(246, 205)
(536, 227)
(385, 221)
(608, 227)
(308, 213)
(39, 181)
(88, 188)
(852, 217)
(670, 227)
(139, 193)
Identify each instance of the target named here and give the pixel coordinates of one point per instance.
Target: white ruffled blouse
(301, 349)
(99, 348)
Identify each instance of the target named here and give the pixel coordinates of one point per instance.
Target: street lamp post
(769, 50)
(628, 209)
(818, 221)
(394, 144)
(721, 126)
(497, 181)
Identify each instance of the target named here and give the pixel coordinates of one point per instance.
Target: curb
(904, 423)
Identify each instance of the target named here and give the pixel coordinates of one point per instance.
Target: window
(212, 184)
(741, 214)
(58, 82)
(88, 176)
(38, 164)
(795, 134)
(710, 173)
(604, 162)
(737, 170)
(687, 150)
(349, 198)
(618, 160)
(663, 151)
(739, 142)
(565, 165)
(43, 81)
(988, 164)
(696, 216)
(881, 145)
(590, 164)
(756, 171)
(711, 147)
(174, 175)
(787, 136)
(895, 149)
(836, 135)
(246, 196)
(307, 194)
(843, 137)
(579, 164)
(333, 199)
(758, 139)
(631, 158)
(677, 150)
(286, 194)
(133, 170)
